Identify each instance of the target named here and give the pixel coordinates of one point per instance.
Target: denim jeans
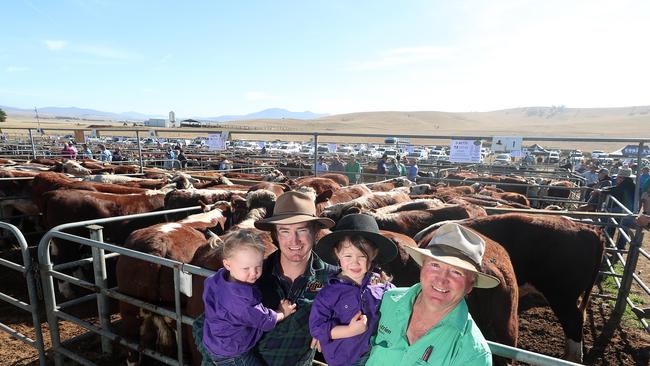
(245, 359)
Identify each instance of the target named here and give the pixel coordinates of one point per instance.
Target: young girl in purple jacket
(346, 311)
(235, 318)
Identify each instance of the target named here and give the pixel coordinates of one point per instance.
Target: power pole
(38, 121)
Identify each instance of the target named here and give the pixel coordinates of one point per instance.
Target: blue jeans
(245, 359)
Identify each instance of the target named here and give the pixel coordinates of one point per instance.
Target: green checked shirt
(455, 340)
(288, 343)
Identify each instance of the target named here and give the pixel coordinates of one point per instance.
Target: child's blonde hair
(243, 238)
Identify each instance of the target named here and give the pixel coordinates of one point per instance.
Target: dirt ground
(539, 330)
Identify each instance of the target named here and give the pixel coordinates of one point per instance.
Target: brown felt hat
(292, 208)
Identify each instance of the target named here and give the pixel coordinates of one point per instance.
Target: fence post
(137, 135)
(101, 281)
(31, 139)
(315, 153)
(628, 271)
(637, 192)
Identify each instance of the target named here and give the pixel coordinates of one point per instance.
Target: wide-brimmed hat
(293, 208)
(356, 224)
(457, 246)
(624, 172)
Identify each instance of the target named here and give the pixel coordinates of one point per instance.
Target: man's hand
(643, 221)
(287, 308)
(315, 344)
(358, 324)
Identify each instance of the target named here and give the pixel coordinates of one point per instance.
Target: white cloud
(257, 95)
(17, 68)
(55, 44)
(402, 56)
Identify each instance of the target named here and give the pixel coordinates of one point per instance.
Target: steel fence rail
(28, 270)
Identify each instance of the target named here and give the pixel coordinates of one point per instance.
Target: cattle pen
(623, 238)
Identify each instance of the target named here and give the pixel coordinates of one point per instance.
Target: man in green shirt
(429, 323)
(353, 170)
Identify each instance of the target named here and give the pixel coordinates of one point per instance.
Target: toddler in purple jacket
(235, 318)
(346, 311)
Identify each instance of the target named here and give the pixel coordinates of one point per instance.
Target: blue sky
(208, 58)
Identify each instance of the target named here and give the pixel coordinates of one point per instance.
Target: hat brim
(483, 280)
(386, 249)
(268, 224)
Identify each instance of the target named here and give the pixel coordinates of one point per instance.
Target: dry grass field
(629, 122)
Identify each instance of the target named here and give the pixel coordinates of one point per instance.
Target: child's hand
(358, 324)
(286, 308)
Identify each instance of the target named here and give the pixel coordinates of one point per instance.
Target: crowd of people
(174, 156)
(324, 295)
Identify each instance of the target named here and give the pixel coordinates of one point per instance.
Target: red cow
(154, 283)
(367, 202)
(319, 184)
(412, 222)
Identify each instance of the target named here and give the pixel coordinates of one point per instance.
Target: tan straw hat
(457, 246)
(292, 208)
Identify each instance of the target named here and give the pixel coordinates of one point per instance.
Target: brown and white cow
(367, 202)
(154, 283)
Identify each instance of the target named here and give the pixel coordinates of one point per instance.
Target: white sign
(506, 143)
(216, 142)
(465, 151)
(331, 148)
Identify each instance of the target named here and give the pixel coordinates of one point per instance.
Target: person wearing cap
(104, 153)
(591, 175)
(345, 312)
(604, 181)
(321, 166)
(293, 272)
(429, 323)
(624, 192)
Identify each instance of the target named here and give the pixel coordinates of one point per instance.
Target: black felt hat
(356, 224)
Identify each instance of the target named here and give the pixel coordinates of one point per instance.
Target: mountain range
(85, 113)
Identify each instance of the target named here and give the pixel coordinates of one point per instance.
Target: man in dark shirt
(293, 272)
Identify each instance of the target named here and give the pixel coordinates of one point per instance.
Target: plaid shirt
(288, 343)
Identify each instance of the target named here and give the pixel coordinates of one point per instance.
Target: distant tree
(3, 115)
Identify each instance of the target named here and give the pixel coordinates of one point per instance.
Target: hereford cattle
(276, 188)
(193, 197)
(69, 205)
(50, 181)
(363, 203)
(341, 179)
(154, 283)
(418, 204)
(507, 196)
(343, 194)
(411, 222)
(387, 185)
(494, 310)
(556, 256)
(319, 184)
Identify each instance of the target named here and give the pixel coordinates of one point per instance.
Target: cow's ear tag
(185, 283)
